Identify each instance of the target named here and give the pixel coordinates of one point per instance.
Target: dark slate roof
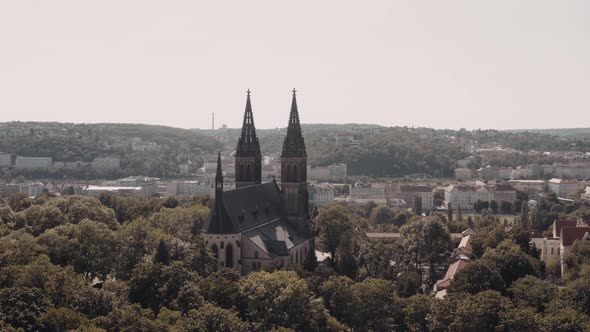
(275, 238)
(245, 208)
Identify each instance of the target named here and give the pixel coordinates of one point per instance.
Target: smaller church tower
(218, 211)
(248, 157)
(294, 195)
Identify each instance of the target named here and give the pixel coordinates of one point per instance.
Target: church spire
(217, 213)
(248, 157)
(294, 145)
(218, 176)
(248, 145)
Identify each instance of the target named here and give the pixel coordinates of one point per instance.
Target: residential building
(572, 171)
(546, 170)
(504, 193)
(530, 187)
(463, 173)
(408, 193)
(5, 160)
(365, 192)
(568, 236)
(319, 173)
(491, 172)
(465, 196)
(321, 194)
(149, 185)
(189, 188)
(563, 187)
(33, 162)
(96, 191)
(32, 189)
(338, 170)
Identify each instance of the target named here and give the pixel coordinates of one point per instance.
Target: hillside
(369, 150)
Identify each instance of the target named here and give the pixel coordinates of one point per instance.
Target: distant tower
(212, 120)
(248, 167)
(294, 195)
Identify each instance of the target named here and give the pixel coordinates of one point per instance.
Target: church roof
(245, 208)
(275, 238)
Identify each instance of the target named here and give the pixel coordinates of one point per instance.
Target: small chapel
(258, 224)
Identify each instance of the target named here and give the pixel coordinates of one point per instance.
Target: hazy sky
(441, 64)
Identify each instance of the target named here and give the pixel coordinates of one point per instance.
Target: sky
(443, 64)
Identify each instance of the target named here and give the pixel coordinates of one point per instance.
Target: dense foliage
(128, 264)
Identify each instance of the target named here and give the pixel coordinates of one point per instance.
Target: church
(259, 224)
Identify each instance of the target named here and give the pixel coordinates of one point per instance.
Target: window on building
(221, 244)
(256, 254)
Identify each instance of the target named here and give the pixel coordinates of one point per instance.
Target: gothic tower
(294, 195)
(248, 157)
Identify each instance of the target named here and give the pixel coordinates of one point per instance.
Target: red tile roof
(415, 189)
(559, 223)
(571, 234)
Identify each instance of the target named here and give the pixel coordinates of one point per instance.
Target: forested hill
(369, 150)
(567, 132)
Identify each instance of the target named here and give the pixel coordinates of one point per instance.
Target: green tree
(221, 288)
(21, 307)
(480, 312)
(416, 310)
(62, 319)
(382, 215)
(19, 202)
(333, 222)
(509, 261)
(426, 240)
(476, 277)
(532, 292)
(283, 301)
(212, 318)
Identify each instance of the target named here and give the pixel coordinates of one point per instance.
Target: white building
(321, 194)
(574, 171)
(149, 185)
(189, 188)
(95, 191)
(563, 187)
(338, 170)
(364, 192)
(33, 162)
(408, 193)
(5, 160)
(465, 196)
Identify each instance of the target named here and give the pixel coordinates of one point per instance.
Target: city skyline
(456, 65)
